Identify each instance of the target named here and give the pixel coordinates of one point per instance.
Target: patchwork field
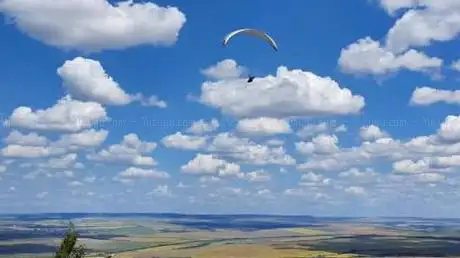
(206, 236)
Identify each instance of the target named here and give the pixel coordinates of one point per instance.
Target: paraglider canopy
(251, 32)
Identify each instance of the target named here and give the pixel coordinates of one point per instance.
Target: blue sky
(137, 107)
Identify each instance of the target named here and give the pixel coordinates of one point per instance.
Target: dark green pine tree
(67, 249)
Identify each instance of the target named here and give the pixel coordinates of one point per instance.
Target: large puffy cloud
(422, 23)
(66, 115)
(291, 93)
(264, 126)
(131, 151)
(95, 25)
(225, 69)
(425, 22)
(367, 56)
(423, 96)
(86, 79)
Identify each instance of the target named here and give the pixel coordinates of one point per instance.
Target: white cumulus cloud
(131, 151)
(19, 151)
(321, 144)
(84, 139)
(424, 22)
(290, 93)
(225, 69)
(66, 115)
(264, 126)
(208, 164)
(372, 133)
(133, 173)
(367, 56)
(247, 151)
(423, 96)
(201, 126)
(30, 139)
(95, 25)
(182, 141)
(86, 79)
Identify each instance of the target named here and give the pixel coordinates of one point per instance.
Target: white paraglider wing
(251, 32)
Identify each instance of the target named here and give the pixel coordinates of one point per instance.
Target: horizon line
(225, 214)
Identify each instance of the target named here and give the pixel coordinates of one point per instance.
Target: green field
(151, 237)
